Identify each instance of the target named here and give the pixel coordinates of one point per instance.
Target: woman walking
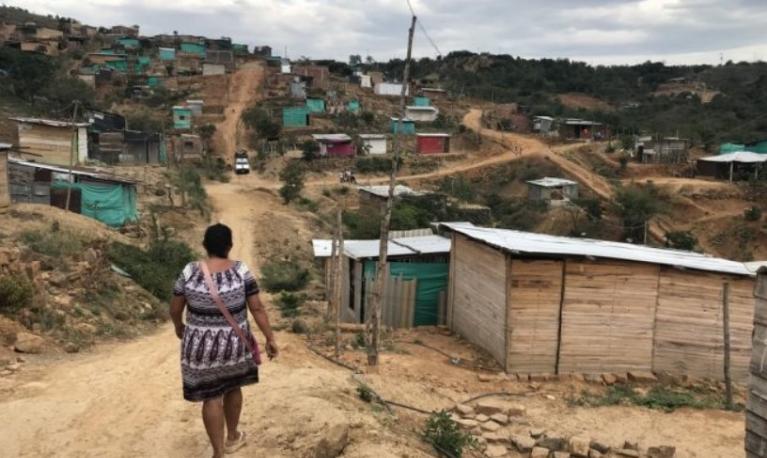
(218, 355)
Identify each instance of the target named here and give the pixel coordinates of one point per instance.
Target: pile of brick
(501, 430)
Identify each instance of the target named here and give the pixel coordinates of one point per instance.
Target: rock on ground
(496, 450)
(539, 452)
(464, 410)
(579, 446)
(332, 444)
(661, 451)
(28, 343)
(523, 443)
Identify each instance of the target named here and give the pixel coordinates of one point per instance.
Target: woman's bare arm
(177, 305)
(262, 320)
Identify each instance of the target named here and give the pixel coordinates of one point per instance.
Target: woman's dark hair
(218, 240)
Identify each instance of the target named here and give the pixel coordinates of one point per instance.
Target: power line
(423, 29)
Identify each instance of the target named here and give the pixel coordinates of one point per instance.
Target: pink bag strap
(225, 311)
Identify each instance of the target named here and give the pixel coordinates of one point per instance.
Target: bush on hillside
(753, 214)
(260, 121)
(284, 276)
(446, 436)
(54, 242)
(290, 304)
(155, 268)
(681, 240)
(292, 177)
(636, 205)
(374, 164)
(16, 293)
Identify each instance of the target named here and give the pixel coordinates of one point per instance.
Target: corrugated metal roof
(738, 156)
(49, 122)
(4, 146)
(531, 243)
(75, 171)
(406, 246)
(422, 108)
(433, 135)
(383, 190)
(552, 182)
(333, 138)
(372, 136)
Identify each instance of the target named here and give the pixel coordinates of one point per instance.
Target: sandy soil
(243, 90)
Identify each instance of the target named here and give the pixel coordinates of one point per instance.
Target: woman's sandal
(235, 445)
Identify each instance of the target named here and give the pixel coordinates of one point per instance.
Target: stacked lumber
(756, 410)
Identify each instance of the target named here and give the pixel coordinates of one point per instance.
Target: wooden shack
(552, 190)
(545, 304)
(416, 289)
(51, 141)
(756, 410)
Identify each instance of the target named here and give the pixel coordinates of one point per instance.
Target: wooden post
(339, 283)
(334, 269)
(374, 334)
(726, 326)
(732, 169)
(74, 150)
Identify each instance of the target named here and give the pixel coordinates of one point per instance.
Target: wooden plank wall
(608, 316)
(53, 144)
(689, 334)
(479, 296)
(756, 409)
(535, 294)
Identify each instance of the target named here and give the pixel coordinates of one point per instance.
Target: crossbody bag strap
(222, 307)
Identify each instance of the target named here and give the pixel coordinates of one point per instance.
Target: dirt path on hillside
(244, 85)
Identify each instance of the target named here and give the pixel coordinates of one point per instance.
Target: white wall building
(390, 89)
(374, 143)
(422, 114)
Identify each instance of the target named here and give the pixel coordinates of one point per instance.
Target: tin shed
(193, 48)
(335, 144)
(51, 141)
(408, 126)
(295, 117)
(182, 117)
(374, 143)
(422, 113)
(167, 54)
(421, 101)
(315, 105)
(432, 143)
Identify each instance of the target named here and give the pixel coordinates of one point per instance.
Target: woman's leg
(232, 409)
(213, 418)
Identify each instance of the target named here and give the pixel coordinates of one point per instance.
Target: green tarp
(727, 148)
(295, 117)
(315, 105)
(432, 280)
(112, 204)
(421, 101)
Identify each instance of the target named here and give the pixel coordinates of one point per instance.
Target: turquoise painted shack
(421, 101)
(193, 48)
(182, 118)
(154, 81)
(129, 43)
(119, 65)
(408, 126)
(315, 105)
(142, 64)
(353, 106)
(167, 54)
(295, 117)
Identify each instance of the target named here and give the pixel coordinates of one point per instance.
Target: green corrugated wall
(295, 117)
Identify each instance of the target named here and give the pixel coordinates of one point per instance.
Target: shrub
(592, 207)
(374, 164)
(261, 122)
(636, 205)
(458, 187)
(16, 293)
(293, 178)
(362, 224)
(659, 397)
(446, 436)
(54, 243)
(310, 150)
(290, 304)
(156, 268)
(681, 240)
(365, 393)
(753, 214)
(284, 276)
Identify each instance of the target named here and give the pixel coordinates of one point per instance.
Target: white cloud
(603, 31)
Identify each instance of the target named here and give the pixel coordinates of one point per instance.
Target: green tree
(261, 122)
(292, 177)
(145, 120)
(681, 240)
(310, 150)
(636, 205)
(355, 60)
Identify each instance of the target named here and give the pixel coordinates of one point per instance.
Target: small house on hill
(434, 93)
(432, 143)
(295, 117)
(416, 288)
(390, 89)
(317, 76)
(182, 117)
(101, 196)
(544, 125)
(552, 190)
(374, 143)
(663, 150)
(213, 69)
(421, 101)
(422, 113)
(374, 197)
(581, 129)
(315, 105)
(757, 147)
(335, 144)
(185, 148)
(167, 54)
(542, 304)
(408, 126)
(51, 141)
(197, 49)
(741, 165)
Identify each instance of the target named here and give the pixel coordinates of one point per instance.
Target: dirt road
(244, 85)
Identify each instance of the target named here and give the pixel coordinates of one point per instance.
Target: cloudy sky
(597, 31)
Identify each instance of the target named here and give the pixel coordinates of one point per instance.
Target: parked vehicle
(348, 177)
(241, 162)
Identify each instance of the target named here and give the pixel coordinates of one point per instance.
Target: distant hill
(20, 15)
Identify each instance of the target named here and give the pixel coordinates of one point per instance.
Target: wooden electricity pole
(374, 322)
(73, 152)
(334, 268)
(726, 329)
(339, 287)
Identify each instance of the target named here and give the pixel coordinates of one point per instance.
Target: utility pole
(339, 289)
(374, 323)
(726, 329)
(73, 151)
